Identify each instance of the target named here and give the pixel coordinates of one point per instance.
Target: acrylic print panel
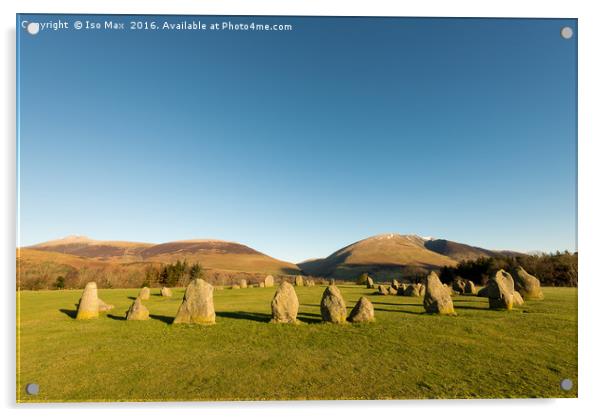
(218, 208)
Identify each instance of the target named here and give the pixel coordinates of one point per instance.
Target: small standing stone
(137, 311)
(285, 304)
(362, 312)
(104, 307)
(144, 293)
(269, 281)
(166, 292)
(333, 306)
(437, 299)
(500, 290)
(382, 290)
(197, 305)
(299, 281)
(528, 285)
(369, 283)
(243, 283)
(87, 307)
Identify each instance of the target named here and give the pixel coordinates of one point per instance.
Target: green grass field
(405, 354)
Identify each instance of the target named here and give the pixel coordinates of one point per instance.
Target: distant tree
(362, 279)
(195, 271)
(60, 282)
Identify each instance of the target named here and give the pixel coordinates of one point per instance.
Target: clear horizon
(299, 143)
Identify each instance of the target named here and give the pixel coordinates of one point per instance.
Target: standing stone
(166, 292)
(392, 291)
(285, 304)
(332, 281)
(527, 285)
(469, 288)
(412, 291)
(299, 281)
(362, 312)
(144, 293)
(517, 300)
(333, 306)
(382, 290)
(403, 288)
(137, 311)
(421, 289)
(197, 305)
(458, 285)
(269, 281)
(235, 287)
(103, 307)
(483, 292)
(262, 285)
(500, 290)
(369, 283)
(437, 299)
(243, 283)
(87, 307)
(395, 285)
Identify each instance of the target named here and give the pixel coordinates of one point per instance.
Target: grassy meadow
(405, 354)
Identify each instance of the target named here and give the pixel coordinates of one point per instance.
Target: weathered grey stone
(243, 283)
(269, 281)
(144, 293)
(166, 292)
(413, 290)
(382, 290)
(500, 290)
(299, 282)
(333, 306)
(104, 307)
(87, 307)
(528, 285)
(437, 299)
(285, 304)
(362, 312)
(197, 305)
(369, 283)
(392, 291)
(137, 311)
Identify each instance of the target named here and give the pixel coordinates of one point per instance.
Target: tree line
(558, 269)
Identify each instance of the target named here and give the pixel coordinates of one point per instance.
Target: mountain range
(379, 255)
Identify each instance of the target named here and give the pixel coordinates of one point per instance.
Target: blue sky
(297, 143)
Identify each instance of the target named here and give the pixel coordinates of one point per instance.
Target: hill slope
(378, 255)
(212, 254)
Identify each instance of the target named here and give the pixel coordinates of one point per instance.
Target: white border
(590, 208)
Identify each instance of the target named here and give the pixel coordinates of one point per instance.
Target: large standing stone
(87, 307)
(104, 307)
(500, 290)
(243, 283)
(285, 304)
(437, 299)
(299, 281)
(362, 312)
(333, 306)
(382, 290)
(144, 293)
(528, 285)
(137, 311)
(369, 283)
(166, 292)
(197, 305)
(269, 281)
